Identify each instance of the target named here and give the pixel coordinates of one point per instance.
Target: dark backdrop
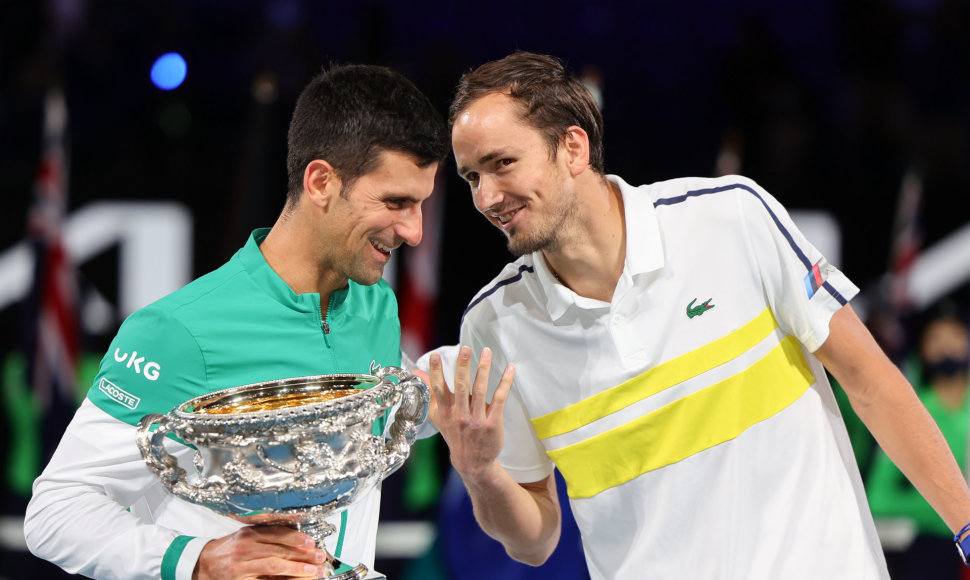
(827, 103)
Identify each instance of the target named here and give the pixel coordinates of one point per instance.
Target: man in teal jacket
(302, 298)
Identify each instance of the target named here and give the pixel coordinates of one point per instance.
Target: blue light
(169, 70)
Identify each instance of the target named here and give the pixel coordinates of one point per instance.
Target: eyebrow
(483, 160)
(403, 197)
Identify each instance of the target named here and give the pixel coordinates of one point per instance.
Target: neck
(591, 261)
(289, 249)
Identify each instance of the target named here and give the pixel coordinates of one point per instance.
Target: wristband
(963, 546)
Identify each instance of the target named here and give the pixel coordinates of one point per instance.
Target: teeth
(381, 247)
(504, 218)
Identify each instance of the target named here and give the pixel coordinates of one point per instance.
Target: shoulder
(224, 279)
(155, 332)
(153, 362)
(158, 352)
(730, 201)
(156, 323)
(701, 190)
(516, 278)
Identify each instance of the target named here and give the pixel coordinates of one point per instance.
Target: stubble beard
(547, 235)
(363, 269)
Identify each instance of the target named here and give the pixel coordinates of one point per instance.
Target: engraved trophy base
(336, 569)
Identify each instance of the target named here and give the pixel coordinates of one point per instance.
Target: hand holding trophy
(291, 451)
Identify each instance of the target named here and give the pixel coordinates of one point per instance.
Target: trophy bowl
(291, 451)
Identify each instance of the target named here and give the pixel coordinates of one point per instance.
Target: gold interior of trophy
(272, 402)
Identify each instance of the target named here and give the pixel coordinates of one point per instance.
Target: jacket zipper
(323, 322)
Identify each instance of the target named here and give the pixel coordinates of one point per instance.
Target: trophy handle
(413, 410)
(153, 452)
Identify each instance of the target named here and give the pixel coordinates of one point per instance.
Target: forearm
(87, 533)
(891, 496)
(525, 518)
(908, 435)
(78, 517)
(887, 404)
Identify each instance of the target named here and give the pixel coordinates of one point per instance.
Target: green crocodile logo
(693, 311)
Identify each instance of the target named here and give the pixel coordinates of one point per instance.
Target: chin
(522, 246)
(519, 251)
(368, 278)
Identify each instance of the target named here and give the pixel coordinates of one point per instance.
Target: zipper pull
(326, 327)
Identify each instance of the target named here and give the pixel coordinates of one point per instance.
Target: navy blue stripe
(791, 241)
(835, 293)
(494, 289)
(695, 193)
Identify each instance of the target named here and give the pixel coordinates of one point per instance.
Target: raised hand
(266, 551)
(471, 426)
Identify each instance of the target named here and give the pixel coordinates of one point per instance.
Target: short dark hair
(551, 99)
(350, 114)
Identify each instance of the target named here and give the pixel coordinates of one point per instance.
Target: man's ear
(320, 183)
(575, 147)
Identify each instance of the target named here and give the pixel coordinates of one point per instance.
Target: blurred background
(123, 175)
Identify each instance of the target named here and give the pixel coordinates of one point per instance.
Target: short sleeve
(152, 365)
(803, 289)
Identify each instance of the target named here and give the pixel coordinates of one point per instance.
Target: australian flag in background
(52, 329)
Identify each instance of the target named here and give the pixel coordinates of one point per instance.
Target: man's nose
(410, 227)
(488, 193)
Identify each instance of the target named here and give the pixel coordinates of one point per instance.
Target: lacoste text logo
(151, 370)
(693, 311)
(118, 394)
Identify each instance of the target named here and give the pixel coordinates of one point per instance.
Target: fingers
(470, 398)
(436, 379)
(462, 374)
(279, 542)
(440, 395)
(480, 387)
(261, 551)
(502, 391)
(286, 523)
(280, 568)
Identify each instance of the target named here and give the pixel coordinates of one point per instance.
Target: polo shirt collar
(644, 252)
(269, 281)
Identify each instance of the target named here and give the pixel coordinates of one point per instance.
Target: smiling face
(515, 180)
(380, 211)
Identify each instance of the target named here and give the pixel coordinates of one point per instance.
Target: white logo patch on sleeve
(118, 394)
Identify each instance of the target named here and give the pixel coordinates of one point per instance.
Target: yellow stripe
(657, 379)
(687, 426)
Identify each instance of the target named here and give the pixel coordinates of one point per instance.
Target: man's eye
(471, 177)
(505, 162)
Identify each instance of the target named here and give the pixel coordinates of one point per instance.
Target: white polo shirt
(698, 436)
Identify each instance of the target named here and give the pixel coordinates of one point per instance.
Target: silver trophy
(291, 451)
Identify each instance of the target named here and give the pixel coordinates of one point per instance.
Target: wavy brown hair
(550, 99)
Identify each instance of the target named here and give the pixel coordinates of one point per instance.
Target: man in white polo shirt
(668, 343)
